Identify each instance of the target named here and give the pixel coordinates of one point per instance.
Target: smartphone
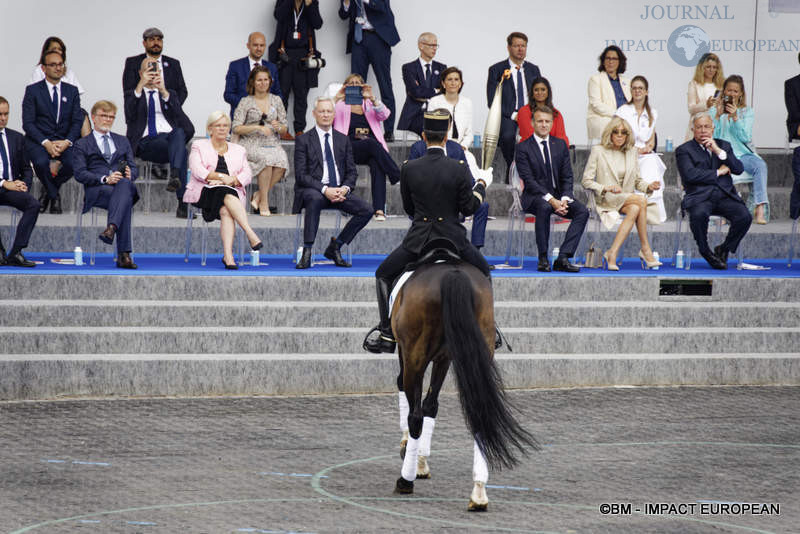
(727, 100)
(352, 95)
(152, 66)
(716, 93)
(122, 166)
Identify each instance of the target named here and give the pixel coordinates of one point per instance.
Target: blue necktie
(427, 75)
(106, 149)
(520, 89)
(55, 102)
(358, 35)
(547, 166)
(331, 164)
(151, 115)
(4, 156)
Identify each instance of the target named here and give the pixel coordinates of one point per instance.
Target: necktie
(106, 149)
(547, 166)
(55, 102)
(4, 156)
(358, 34)
(428, 74)
(520, 89)
(330, 163)
(151, 115)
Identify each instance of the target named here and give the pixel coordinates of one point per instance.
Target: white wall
(565, 40)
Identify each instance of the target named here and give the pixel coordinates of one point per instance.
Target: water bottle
(554, 257)
(255, 258)
(687, 261)
(668, 145)
(476, 141)
(655, 255)
(78, 256)
(679, 260)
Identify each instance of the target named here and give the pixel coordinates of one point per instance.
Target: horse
(444, 314)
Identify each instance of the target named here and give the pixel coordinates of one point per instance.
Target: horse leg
(430, 407)
(478, 500)
(412, 385)
(403, 404)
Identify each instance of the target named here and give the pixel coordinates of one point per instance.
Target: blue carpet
(364, 266)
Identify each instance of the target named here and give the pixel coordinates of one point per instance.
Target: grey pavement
(328, 464)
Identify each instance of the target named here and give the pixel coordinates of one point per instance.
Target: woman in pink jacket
(220, 172)
(362, 124)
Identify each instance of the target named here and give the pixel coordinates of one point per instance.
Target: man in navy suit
(105, 166)
(515, 90)
(544, 168)
(15, 182)
(239, 71)
(167, 67)
(325, 177)
(154, 117)
(371, 35)
(52, 119)
(705, 165)
(422, 79)
(791, 95)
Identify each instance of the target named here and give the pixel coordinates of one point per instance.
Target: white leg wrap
(480, 470)
(403, 401)
(427, 433)
(409, 471)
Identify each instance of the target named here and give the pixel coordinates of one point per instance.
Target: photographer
(359, 115)
(294, 43)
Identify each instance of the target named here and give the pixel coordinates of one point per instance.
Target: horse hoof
(403, 486)
(478, 500)
(423, 470)
(475, 507)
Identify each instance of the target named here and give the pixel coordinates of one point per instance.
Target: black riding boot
(385, 341)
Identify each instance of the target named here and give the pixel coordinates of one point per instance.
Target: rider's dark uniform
(435, 190)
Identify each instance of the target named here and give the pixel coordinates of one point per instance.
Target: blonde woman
(704, 87)
(612, 174)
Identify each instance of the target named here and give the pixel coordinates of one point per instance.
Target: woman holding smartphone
(704, 87)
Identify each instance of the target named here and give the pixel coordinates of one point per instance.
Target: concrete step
(24, 376)
(254, 340)
(136, 313)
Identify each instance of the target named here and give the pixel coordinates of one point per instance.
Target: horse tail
(480, 387)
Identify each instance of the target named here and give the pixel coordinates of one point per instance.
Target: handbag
(594, 258)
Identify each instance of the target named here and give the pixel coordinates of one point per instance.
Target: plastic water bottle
(668, 145)
(476, 141)
(554, 256)
(78, 256)
(679, 260)
(655, 255)
(687, 261)
(255, 259)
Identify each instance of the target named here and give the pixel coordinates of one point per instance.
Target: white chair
(337, 227)
(96, 229)
(691, 246)
(146, 178)
(240, 237)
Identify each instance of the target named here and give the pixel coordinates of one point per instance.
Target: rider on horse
(435, 190)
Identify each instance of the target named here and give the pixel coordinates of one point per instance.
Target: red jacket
(526, 127)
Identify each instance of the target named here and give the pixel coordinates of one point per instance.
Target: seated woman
(642, 119)
(612, 173)
(259, 120)
(55, 43)
(460, 107)
(362, 124)
(704, 87)
(219, 174)
(607, 90)
(733, 122)
(540, 94)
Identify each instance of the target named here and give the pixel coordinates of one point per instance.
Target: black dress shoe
(305, 259)
(107, 236)
(563, 265)
(721, 253)
(124, 261)
(230, 266)
(55, 206)
(18, 260)
(383, 342)
(44, 200)
(388, 137)
(173, 184)
(714, 261)
(2, 255)
(544, 265)
(333, 253)
(183, 211)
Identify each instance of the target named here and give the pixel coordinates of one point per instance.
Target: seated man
(104, 165)
(705, 166)
(52, 119)
(421, 78)
(154, 117)
(545, 170)
(15, 181)
(454, 151)
(435, 189)
(325, 176)
(791, 97)
(239, 71)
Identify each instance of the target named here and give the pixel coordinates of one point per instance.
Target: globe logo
(687, 44)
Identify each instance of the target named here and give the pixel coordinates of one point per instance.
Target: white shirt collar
(513, 65)
(422, 62)
(540, 139)
(321, 133)
(50, 86)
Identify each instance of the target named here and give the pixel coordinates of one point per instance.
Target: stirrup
(382, 344)
(500, 339)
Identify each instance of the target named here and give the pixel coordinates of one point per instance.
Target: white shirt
(4, 137)
(642, 131)
(254, 62)
(162, 125)
(50, 94)
(514, 70)
(365, 24)
(325, 178)
(539, 140)
(98, 137)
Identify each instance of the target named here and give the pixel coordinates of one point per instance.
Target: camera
(311, 63)
(352, 95)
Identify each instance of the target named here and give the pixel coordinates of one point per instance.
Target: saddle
(439, 250)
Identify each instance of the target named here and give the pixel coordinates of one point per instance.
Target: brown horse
(445, 314)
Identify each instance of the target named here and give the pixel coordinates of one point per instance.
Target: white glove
(487, 175)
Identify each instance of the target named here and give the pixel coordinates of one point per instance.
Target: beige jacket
(602, 102)
(599, 173)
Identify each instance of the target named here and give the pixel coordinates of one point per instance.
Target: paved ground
(328, 464)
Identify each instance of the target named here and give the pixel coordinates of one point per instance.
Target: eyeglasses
(619, 132)
(610, 58)
(430, 45)
(54, 65)
(106, 116)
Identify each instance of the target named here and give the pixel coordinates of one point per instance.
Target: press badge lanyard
(297, 15)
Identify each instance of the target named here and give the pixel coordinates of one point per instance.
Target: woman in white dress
(704, 87)
(460, 107)
(642, 120)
